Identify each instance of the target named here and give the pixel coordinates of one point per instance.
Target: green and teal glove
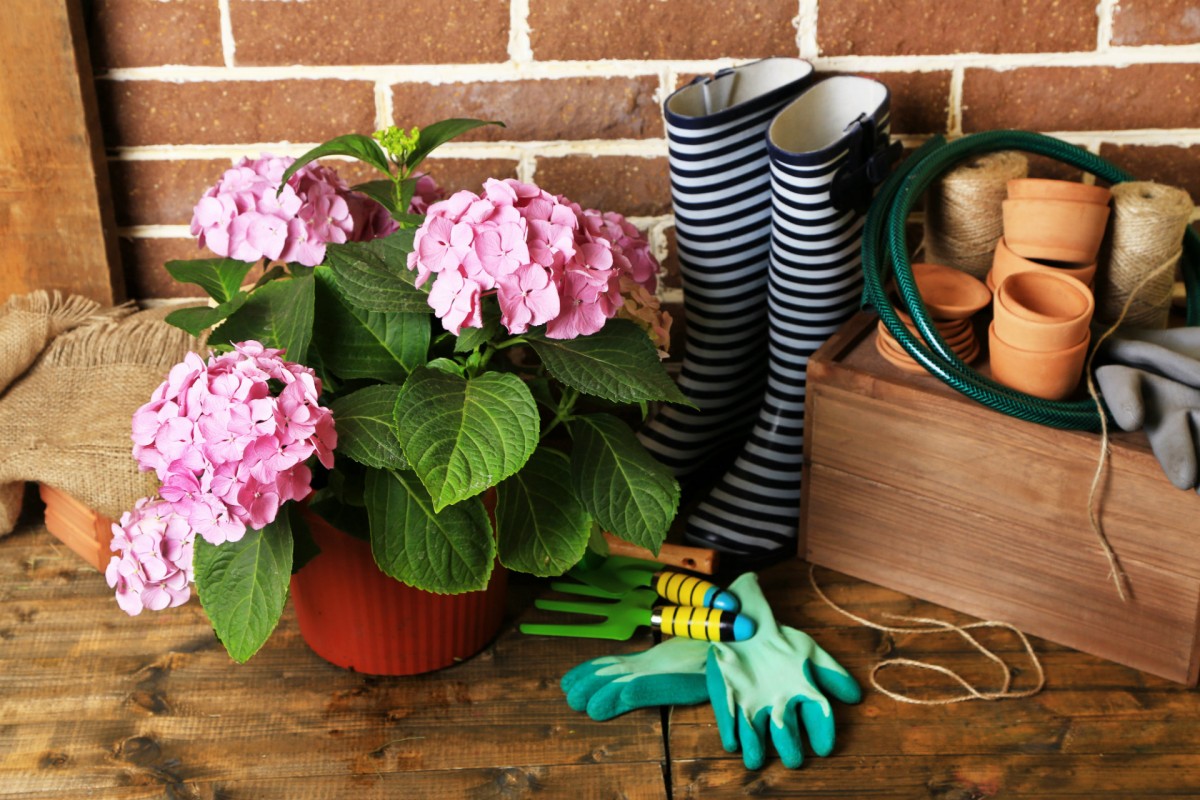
(762, 683)
(671, 673)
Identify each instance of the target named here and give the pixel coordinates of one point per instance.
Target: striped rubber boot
(828, 150)
(720, 191)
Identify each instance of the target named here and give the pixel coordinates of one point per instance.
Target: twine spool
(963, 215)
(1145, 243)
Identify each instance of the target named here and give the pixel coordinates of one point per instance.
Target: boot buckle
(867, 164)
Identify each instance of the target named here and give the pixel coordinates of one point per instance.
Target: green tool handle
(885, 251)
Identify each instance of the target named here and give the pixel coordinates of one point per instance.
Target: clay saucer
(948, 293)
(905, 363)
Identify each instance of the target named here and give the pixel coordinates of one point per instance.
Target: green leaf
(619, 483)
(220, 277)
(196, 320)
(365, 427)
(355, 145)
(243, 585)
(274, 273)
(541, 527)
(366, 280)
(278, 314)
(439, 133)
(618, 363)
(469, 339)
(304, 546)
(448, 552)
(462, 436)
(394, 250)
(382, 192)
(357, 343)
(408, 187)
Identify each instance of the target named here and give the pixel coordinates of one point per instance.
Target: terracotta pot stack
(1042, 275)
(951, 297)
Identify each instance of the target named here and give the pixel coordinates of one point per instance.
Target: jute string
(963, 213)
(1148, 223)
(1119, 578)
(971, 692)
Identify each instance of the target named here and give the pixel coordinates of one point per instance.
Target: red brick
(1083, 98)
(1046, 167)
(229, 112)
(918, 27)
(1174, 166)
(148, 33)
(145, 273)
(370, 31)
(566, 108)
(920, 101)
(1156, 22)
(161, 192)
(632, 186)
(637, 29)
(453, 174)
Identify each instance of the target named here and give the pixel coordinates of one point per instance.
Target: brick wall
(187, 85)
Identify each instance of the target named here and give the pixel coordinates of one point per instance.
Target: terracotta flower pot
(1046, 189)
(354, 616)
(1050, 376)
(1057, 230)
(1042, 312)
(1005, 262)
(948, 293)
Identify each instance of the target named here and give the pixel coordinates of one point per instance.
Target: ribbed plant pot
(354, 616)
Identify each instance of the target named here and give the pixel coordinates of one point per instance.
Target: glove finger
(577, 673)
(753, 736)
(721, 706)
(663, 690)
(786, 738)
(832, 678)
(583, 689)
(606, 702)
(1122, 390)
(818, 719)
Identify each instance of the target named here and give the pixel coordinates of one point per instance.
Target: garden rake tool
(624, 615)
(618, 575)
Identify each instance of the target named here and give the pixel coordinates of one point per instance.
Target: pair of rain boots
(771, 176)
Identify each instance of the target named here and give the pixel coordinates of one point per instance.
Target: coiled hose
(885, 251)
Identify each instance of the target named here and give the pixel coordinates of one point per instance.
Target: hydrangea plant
(400, 356)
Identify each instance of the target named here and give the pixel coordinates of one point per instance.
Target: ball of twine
(963, 215)
(1144, 245)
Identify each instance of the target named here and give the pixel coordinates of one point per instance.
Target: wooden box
(912, 486)
(77, 526)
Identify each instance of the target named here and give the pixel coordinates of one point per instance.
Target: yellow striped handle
(705, 624)
(686, 590)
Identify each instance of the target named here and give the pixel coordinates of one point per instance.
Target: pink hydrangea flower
(228, 438)
(548, 260)
(153, 568)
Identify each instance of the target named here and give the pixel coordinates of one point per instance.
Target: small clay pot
(1047, 189)
(1005, 262)
(1048, 375)
(948, 293)
(1042, 312)
(1056, 230)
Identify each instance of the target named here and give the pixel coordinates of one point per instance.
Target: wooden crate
(77, 526)
(912, 486)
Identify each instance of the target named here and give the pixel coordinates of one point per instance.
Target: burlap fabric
(66, 421)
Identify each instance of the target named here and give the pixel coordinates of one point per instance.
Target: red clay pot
(1050, 376)
(1042, 312)
(354, 616)
(1048, 189)
(1054, 230)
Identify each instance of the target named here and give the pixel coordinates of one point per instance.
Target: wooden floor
(94, 704)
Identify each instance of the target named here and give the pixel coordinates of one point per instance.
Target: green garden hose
(885, 252)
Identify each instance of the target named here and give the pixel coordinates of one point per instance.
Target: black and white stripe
(720, 191)
(814, 285)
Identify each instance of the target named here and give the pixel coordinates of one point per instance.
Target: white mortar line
(806, 29)
(520, 48)
(670, 296)
(228, 46)
(384, 112)
(954, 111)
(526, 166)
(638, 148)
(166, 302)
(155, 232)
(1105, 11)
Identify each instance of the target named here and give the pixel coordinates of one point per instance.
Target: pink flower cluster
(228, 439)
(547, 260)
(154, 568)
(241, 217)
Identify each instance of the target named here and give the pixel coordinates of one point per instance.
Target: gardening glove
(1167, 409)
(767, 679)
(1172, 353)
(671, 673)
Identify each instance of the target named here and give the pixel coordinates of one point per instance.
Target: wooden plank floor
(97, 705)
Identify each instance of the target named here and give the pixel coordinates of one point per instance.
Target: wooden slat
(56, 216)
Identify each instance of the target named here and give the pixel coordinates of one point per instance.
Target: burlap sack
(66, 423)
(29, 321)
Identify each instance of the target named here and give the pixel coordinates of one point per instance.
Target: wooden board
(912, 486)
(56, 216)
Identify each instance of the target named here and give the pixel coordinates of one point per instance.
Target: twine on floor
(941, 626)
(1148, 223)
(963, 214)
(1119, 578)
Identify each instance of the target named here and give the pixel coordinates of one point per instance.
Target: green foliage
(355, 145)
(541, 526)
(278, 314)
(220, 277)
(367, 281)
(380, 345)
(365, 429)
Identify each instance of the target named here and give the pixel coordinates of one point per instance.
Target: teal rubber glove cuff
(671, 673)
(769, 684)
